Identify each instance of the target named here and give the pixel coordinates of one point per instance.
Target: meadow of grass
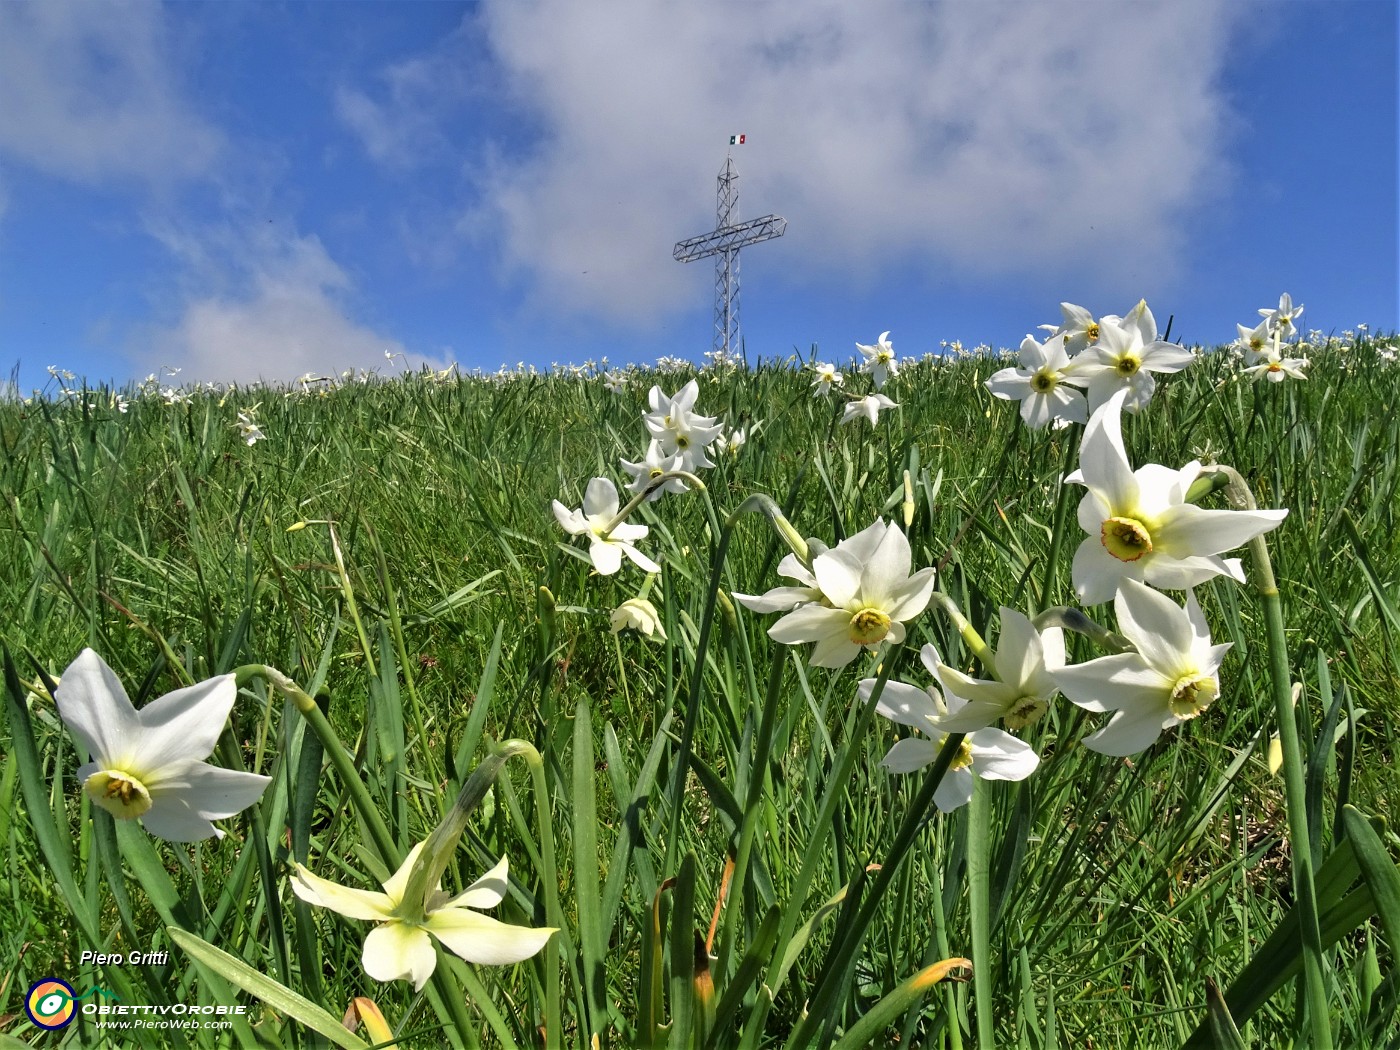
(390, 548)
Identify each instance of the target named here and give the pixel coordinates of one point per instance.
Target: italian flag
(736, 140)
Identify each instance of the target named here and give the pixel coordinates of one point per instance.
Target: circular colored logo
(49, 1003)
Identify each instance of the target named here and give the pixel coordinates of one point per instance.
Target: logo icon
(49, 1003)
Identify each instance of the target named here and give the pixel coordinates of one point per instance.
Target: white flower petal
(1186, 530)
(487, 891)
(955, 791)
(1103, 461)
(399, 952)
(808, 623)
(481, 939)
(906, 704)
(600, 499)
(211, 791)
(639, 559)
(1000, 756)
(344, 900)
(1111, 683)
(1128, 732)
(94, 706)
(185, 724)
(779, 599)
(910, 754)
(175, 820)
(606, 557)
(1156, 625)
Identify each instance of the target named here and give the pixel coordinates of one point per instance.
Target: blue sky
(262, 190)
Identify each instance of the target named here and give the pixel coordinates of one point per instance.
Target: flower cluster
(1084, 362)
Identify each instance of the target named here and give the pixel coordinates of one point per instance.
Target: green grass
(1118, 888)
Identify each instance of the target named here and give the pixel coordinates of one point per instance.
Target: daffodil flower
(400, 948)
(639, 615)
(1273, 366)
(867, 595)
(149, 764)
(672, 421)
(868, 407)
(599, 509)
(1025, 662)
(1281, 320)
(879, 361)
(1253, 341)
(1041, 384)
(987, 753)
(1139, 524)
(1171, 678)
(650, 467)
(828, 378)
(1078, 327)
(1124, 358)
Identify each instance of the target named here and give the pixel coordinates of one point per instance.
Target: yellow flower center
(1127, 539)
(118, 792)
(1025, 711)
(883, 356)
(1091, 332)
(869, 626)
(1192, 694)
(963, 758)
(655, 473)
(1044, 381)
(1128, 365)
(1275, 366)
(682, 441)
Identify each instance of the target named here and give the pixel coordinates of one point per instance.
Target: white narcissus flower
(650, 467)
(867, 594)
(1139, 524)
(1171, 678)
(1253, 341)
(1125, 356)
(641, 616)
(879, 361)
(1272, 366)
(1281, 320)
(827, 379)
(599, 509)
(987, 753)
(1041, 385)
(149, 764)
(399, 950)
(730, 444)
(1025, 662)
(1078, 327)
(672, 421)
(868, 407)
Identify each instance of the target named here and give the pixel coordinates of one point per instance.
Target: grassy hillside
(390, 546)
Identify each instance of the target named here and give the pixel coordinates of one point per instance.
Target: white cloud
(88, 92)
(989, 138)
(284, 311)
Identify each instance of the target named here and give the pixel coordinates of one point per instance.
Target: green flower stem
(914, 822)
(1315, 981)
(654, 484)
(359, 794)
(1073, 619)
(758, 502)
(1057, 536)
(979, 903)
